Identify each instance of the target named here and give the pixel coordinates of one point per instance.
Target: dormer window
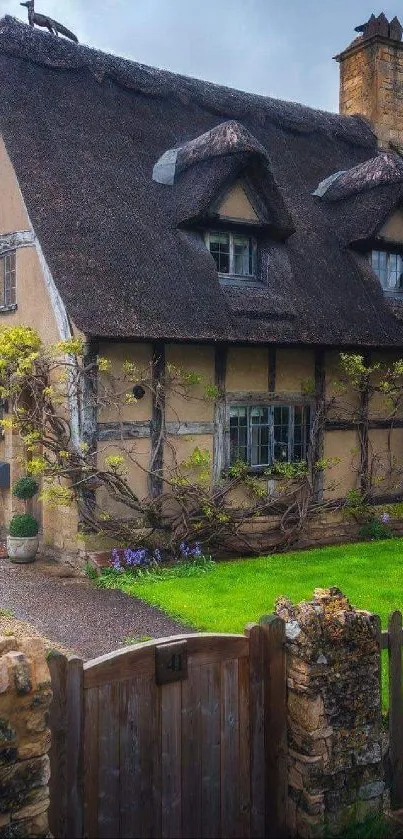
(388, 266)
(234, 253)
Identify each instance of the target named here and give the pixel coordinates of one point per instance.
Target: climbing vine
(53, 392)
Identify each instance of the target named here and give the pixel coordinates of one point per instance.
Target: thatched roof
(84, 132)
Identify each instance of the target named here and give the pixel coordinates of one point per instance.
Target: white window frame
(231, 235)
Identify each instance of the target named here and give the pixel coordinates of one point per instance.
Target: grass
(6, 613)
(136, 639)
(234, 593)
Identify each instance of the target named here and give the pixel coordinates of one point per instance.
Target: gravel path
(71, 611)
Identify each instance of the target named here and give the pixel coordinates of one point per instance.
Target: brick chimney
(371, 78)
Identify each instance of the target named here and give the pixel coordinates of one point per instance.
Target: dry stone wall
(334, 714)
(25, 696)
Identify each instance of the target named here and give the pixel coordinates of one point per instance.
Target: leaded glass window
(389, 268)
(234, 254)
(262, 435)
(8, 280)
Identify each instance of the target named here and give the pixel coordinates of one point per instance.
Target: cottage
(247, 239)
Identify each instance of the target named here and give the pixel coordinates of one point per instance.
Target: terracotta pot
(22, 549)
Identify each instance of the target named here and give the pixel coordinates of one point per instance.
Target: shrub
(376, 529)
(26, 487)
(23, 525)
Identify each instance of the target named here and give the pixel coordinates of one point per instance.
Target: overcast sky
(279, 48)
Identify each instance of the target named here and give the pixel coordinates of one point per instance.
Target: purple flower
(385, 518)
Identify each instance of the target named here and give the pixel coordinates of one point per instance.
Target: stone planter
(22, 549)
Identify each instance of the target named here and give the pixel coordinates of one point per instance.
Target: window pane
(9, 280)
(238, 435)
(259, 436)
(243, 255)
(301, 432)
(281, 432)
(389, 269)
(219, 249)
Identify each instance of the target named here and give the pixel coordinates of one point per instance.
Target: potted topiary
(23, 541)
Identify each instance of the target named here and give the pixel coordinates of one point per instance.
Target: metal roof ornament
(47, 22)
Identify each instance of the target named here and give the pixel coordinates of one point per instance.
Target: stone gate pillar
(334, 714)
(25, 696)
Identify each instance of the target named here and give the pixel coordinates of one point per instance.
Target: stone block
(7, 643)
(4, 676)
(306, 711)
(35, 809)
(371, 790)
(372, 753)
(21, 672)
(35, 747)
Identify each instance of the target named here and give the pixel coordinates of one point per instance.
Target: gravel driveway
(71, 611)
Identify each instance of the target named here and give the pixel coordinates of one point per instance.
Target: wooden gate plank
(275, 726)
(191, 755)
(244, 748)
(129, 757)
(91, 768)
(58, 750)
(108, 756)
(256, 707)
(74, 741)
(171, 759)
(395, 710)
(140, 759)
(210, 701)
(229, 750)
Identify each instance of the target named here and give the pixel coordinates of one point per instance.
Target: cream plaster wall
(295, 369)
(184, 446)
(13, 215)
(134, 452)
(191, 404)
(385, 483)
(341, 477)
(392, 230)
(247, 369)
(343, 398)
(141, 356)
(236, 205)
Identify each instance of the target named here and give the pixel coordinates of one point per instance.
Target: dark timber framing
(89, 410)
(319, 420)
(363, 433)
(220, 373)
(136, 429)
(158, 419)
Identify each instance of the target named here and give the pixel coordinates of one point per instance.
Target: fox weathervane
(43, 20)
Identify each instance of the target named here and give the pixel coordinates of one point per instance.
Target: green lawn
(235, 593)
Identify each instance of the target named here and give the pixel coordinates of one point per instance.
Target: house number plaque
(171, 662)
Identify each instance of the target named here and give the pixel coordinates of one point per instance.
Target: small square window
(234, 254)
(8, 288)
(388, 267)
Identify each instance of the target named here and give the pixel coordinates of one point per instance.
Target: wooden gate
(181, 737)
